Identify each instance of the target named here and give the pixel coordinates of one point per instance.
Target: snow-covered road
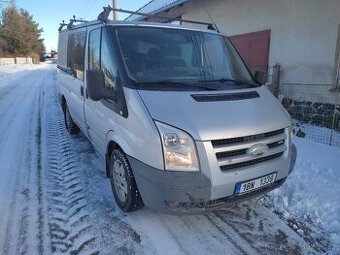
(55, 198)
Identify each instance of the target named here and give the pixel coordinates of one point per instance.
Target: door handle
(81, 90)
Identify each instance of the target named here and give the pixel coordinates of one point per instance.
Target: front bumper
(186, 192)
(160, 189)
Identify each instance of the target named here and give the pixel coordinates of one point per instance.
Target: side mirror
(259, 76)
(94, 84)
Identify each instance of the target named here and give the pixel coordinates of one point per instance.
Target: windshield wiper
(225, 80)
(176, 84)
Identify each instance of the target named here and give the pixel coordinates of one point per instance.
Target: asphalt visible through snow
(55, 198)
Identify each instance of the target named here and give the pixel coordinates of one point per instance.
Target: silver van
(183, 125)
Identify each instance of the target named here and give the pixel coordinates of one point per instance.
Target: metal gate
(254, 49)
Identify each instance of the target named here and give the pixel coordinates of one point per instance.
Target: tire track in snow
(69, 227)
(249, 222)
(226, 233)
(41, 217)
(68, 214)
(113, 234)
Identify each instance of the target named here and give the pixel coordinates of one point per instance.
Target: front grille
(232, 153)
(251, 162)
(246, 138)
(275, 144)
(226, 154)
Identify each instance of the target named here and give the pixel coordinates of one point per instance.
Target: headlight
(179, 150)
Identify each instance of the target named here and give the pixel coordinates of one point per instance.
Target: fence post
(333, 127)
(276, 80)
(273, 83)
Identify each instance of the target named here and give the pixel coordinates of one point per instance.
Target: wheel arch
(112, 143)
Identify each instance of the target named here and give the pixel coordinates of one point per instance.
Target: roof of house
(155, 6)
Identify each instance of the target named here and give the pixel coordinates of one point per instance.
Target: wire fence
(315, 111)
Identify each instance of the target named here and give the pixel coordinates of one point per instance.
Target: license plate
(248, 186)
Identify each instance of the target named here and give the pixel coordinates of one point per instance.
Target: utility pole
(114, 3)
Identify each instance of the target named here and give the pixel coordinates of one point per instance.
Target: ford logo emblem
(257, 150)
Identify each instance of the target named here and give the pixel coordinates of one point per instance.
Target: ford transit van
(180, 121)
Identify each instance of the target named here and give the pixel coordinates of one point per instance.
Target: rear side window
(75, 53)
(62, 50)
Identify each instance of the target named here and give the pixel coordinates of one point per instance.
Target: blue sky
(50, 13)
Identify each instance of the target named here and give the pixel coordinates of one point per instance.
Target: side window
(94, 49)
(108, 64)
(62, 50)
(75, 53)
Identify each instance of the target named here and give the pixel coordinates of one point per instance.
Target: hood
(217, 115)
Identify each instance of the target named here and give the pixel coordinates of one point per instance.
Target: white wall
(7, 61)
(303, 32)
(18, 60)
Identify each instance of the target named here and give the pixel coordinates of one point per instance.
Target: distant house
(302, 36)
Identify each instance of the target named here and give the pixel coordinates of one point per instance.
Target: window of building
(75, 53)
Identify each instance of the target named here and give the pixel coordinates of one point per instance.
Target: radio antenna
(212, 20)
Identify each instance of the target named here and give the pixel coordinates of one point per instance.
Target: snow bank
(10, 73)
(312, 191)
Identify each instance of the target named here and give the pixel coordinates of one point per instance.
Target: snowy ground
(55, 198)
(311, 195)
(317, 134)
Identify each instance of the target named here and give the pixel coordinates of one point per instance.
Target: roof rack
(104, 17)
(62, 25)
(71, 23)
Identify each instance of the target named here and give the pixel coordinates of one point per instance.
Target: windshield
(182, 59)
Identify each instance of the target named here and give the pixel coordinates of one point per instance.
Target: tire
(123, 183)
(70, 125)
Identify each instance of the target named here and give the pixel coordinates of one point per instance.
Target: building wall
(17, 60)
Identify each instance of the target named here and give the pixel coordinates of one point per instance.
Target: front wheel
(123, 183)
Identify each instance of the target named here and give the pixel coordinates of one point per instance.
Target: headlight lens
(179, 149)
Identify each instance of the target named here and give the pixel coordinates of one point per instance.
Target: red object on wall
(254, 49)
